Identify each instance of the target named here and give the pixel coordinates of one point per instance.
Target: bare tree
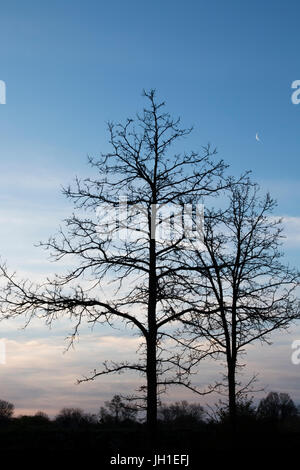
(74, 417)
(6, 410)
(142, 169)
(116, 411)
(181, 413)
(241, 283)
(276, 407)
(41, 417)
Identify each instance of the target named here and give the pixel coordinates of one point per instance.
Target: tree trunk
(151, 351)
(232, 396)
(151, 390)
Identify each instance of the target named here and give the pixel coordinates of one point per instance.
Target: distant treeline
(276, 409)
(183, 427)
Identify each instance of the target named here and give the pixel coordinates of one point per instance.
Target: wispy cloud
(292, 231)
(39, 374)
(47, 376)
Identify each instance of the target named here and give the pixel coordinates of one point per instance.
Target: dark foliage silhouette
(276, 408)
(6, 410)
(181, 413)
(117, 411)
(245, 414)
(74, 417)
(182, 428)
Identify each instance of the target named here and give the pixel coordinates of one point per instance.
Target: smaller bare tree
(241, 282)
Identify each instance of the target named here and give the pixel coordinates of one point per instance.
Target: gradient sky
(69, 67)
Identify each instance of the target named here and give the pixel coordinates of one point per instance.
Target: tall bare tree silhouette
(142, 167)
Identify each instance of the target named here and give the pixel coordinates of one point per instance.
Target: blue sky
(70, 66)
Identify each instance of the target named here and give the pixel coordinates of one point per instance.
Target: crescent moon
(257, 138)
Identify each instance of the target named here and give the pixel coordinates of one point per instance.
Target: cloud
(39, 375)
(32, 179)
(292, 231)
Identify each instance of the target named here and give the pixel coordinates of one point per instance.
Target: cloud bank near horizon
(40, 375)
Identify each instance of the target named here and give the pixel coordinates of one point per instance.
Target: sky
(69, 67)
